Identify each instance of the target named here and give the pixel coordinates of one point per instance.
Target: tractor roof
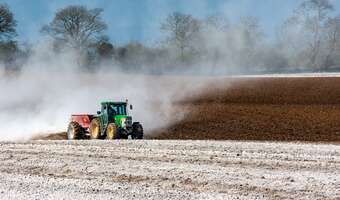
(113, 102)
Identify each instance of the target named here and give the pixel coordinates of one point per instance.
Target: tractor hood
(123, 121)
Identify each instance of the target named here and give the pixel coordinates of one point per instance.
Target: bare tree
(216, 22)
(105, 48)
(332, 38)
(212, 45)
(251, 31)
(251, 36)
(182, 31)
(76, 26)
(7, 23)
(8, 47)
(290, 42)
(314, 13)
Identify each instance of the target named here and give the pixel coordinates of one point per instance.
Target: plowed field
(277, 109)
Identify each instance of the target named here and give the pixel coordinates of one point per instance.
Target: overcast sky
(139, 20)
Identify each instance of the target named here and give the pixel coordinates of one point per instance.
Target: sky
(139, 20)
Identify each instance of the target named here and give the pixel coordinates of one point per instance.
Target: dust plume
(51, 87)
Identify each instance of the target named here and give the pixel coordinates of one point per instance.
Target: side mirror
(131, 107)
(98, 112)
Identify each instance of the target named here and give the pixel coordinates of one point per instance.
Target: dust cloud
(51, 87)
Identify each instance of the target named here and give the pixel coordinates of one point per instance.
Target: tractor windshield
(118, 109)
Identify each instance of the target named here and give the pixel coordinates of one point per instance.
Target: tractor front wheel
(74, 131)
(95, 129)
(112, 132)
(137, 131)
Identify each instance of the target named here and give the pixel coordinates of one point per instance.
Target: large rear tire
(112, 132)
(138, 132)
(95, 129)
(74, 131)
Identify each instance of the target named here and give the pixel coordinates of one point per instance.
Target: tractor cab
(115, 112)
(113, 108)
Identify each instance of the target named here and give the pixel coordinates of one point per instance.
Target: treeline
(309, 40)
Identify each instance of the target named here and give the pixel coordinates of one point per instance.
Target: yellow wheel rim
(111, 131)
(95, 132)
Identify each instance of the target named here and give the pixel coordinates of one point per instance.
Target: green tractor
(111, 122)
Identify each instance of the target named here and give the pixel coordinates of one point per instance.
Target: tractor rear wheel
(95, 129)
(112, 132)
(74, 131)
(137, 131)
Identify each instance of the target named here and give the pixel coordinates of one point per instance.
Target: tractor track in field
(152, 169)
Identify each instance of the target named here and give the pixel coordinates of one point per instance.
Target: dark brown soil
(273, 109)
(55, 136)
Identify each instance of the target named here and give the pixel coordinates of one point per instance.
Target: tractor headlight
(123, 122)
